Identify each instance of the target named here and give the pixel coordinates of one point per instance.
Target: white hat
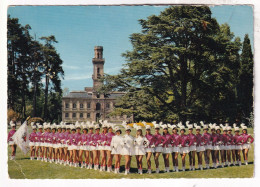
(32, 123)
(44, 125)
(229, 128)
(54, 126)
(234, 125)
(236, 128)
(97, 126)
(224, 128)
(182, 127)
(170, 126)
(147, 127)
(68, 126)
(198, 127)
(77, 125)
(39, 125)
(243, 126)
(212, 126)
(48, 125)
(217, 128)
(63, 125)
(72, 127)
(34, 127)
(155, 125)
(189, 126)
(116, 128)
(164, 126)
(137, 127)
(12, 124)
(84, 125)
(206, 127)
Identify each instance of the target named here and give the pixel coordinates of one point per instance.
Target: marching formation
(89, 144)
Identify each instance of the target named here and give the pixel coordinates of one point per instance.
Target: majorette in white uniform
(116, 143)
(128, 142)
(140, 142)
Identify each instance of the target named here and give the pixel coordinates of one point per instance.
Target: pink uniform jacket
(38, 137)
(95, 138)
(10, 135)
(246, 138)
(185, 141)
(60, 137)
(84, 139)
(238, 140)
(167, 140)
(200, 140)
(109, 137)
(77, 137)
(89, 135)
(151, 139)
(32, 137)
(158, 139)
(103, 137)
(192, 139)
(54, 138)
(215, 139)
(177, 140)
(66, 137)
(230, 139)
(208, 138)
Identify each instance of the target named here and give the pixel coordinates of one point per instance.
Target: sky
(79, 28)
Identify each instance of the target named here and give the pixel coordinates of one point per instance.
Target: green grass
(23, 167)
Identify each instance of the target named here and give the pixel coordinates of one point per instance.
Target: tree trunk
(183, 87)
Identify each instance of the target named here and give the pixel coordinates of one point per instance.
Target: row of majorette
(142, 145)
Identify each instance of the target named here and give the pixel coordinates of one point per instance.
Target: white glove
(49, 139)
(36, 138)
(153, 146)
(99, 141)
(169, 145)
(160, 145)
(41, 138)
(103, 143)
(54, 138)
(180, 145)
(79, 142)
(90, 142)
(67, 141)
(73, 140)
(195, 143)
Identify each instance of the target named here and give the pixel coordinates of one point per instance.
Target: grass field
(22, 167)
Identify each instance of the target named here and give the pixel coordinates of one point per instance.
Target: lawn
(22, 167)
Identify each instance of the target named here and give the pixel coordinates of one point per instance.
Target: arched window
(98, 106)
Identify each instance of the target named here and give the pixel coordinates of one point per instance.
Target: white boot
(109, 169)
(149, 171)
(201, 167)
(141, 171)
(174, 168)
(101, 168)
(167, 169)
(246, 163)
(126, 172)
(177, 168)
(190, 168)
(193, 168)
(222, 165)
(239, 163)
(183, 168)
(157, 170)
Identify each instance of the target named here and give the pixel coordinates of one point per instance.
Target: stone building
(89, 105)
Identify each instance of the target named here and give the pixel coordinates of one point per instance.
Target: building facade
(89, 105)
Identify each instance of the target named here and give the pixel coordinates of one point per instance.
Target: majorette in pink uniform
(167, 143)
(109, 137)
(83, 144)
(208, 139)
(10, 140)
(151, 146)
(176, 144)
(158, 140)
(192, 142)
(246, 138)
(200, 141)
(95, 140)
(238, 141)
(89, 135)
(66, 137)
(38, 138)
(101, 145)
(184, 143)
(32, 137)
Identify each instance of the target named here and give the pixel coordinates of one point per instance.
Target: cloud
(77, 77)
(71, 67)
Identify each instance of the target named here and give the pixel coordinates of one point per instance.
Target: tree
(245, 86)
(182, 60)
(53, 69)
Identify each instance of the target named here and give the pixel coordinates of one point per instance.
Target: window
(88, 105)
(98, 71)
(74, 115)
(107, 105)
(66, 115)
(88, 115)
(66, 105)
(81, 105)
(81, 115)
(98, 106)
(98, 95)
(74, 105)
